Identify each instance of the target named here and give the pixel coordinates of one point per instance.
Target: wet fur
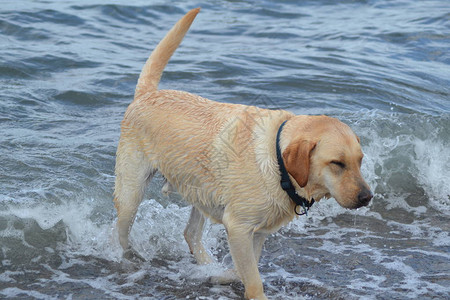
(221, 158)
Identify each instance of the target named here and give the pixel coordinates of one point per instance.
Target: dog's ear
(296, 159)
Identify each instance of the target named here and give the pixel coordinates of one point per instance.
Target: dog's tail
(153, 68)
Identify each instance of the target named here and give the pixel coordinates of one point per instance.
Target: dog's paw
(227, 277)
(132, 255)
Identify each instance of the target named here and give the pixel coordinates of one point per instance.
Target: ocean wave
(407, 155)
(69, 71)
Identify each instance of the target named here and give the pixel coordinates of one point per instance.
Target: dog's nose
(364, 197)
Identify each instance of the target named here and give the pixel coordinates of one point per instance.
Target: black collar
(286, 183)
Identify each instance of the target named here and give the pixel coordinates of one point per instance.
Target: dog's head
(324, 157)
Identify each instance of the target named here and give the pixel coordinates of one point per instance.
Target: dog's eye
(338, 163)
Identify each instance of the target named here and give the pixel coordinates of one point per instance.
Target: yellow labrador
(222, 158)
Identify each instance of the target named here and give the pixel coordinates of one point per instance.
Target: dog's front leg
(258, 242)
(242, 252)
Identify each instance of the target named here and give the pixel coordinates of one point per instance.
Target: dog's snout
(364, 197)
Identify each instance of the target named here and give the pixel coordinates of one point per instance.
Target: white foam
(281, 291)
(84, 235)
(441, 238)
(16, 292)
(433, 165)
(395, 148)
(369, 282)
(412, 281)
(400, 202)
(6, 276)
(159, 230)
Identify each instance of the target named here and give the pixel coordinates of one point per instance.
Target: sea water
(68, 70)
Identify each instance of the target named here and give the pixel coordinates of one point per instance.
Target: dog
(242, 166)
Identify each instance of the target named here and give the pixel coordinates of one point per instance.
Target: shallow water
(68, 71)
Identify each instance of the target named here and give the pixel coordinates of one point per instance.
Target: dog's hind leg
(133, 172)
(193, 236)
(167, 188)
